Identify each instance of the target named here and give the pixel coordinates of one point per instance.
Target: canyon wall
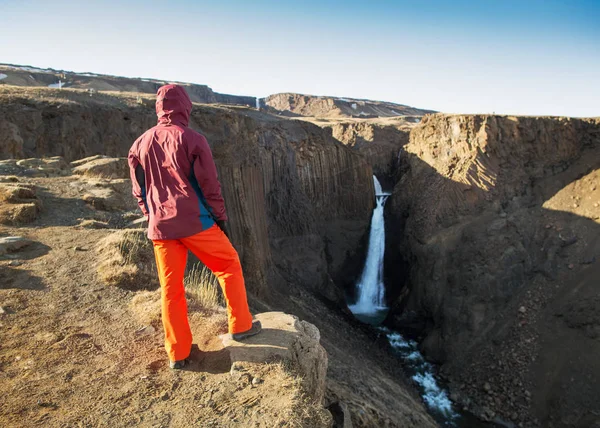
(299, 201)
(496, 222)
(380, 144)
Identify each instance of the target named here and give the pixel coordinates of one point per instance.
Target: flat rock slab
(103, 167)
(284, 338)
(11, 244)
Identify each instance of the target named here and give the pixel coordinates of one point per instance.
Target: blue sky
(505, 56)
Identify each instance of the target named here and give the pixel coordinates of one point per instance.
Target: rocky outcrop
(34, 167)
(494, 219)
(287, 340)
(72, 125)
(320, 106)
(380, 144)
(103, 167)
(18, 204)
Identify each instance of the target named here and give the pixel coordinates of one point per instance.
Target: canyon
(491, 234)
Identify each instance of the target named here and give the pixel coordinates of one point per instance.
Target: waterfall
(370, 287)
(257, 103)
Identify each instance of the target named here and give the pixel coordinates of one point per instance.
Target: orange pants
(213, 249)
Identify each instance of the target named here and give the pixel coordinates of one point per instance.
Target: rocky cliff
(299, 200)
(379, 143)
(496, 230)
(299, 203)
(321, 106)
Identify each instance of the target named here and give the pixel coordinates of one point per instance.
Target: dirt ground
(74, 353)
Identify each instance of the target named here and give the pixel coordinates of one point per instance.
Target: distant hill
(31, 76)
(287, 104)
(323, 106)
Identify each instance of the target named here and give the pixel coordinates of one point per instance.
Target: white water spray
(257, 103)
(370, 287)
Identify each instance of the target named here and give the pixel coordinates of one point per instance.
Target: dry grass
(202, 288)
(127, 260)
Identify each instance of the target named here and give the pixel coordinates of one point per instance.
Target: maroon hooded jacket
(173, 172)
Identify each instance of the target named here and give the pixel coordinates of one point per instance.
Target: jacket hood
(173, 105)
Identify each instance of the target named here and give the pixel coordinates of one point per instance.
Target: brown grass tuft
(202, 288)
(127, 260)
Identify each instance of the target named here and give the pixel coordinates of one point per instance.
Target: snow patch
(354, 106)
(3, 76)
(34, 70)
(58, 85)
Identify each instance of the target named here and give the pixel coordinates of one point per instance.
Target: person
(175, 182)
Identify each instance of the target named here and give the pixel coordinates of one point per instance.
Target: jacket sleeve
(138, 179)
(205, 172)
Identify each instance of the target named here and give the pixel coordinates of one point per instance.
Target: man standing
(175, 182)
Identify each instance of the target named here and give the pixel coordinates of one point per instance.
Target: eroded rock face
(495, 217)
(73, 125)
(299, 201)
(380, 144)
(287, 340)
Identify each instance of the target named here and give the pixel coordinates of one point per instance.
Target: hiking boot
(178, 365)
(256, 328)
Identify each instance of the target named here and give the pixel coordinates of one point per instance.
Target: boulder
(11, 244)
(109, 195)
(103, 167)
(19, 203)
(286, 339)
(35, 167)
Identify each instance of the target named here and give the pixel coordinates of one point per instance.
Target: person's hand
(223, 226)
